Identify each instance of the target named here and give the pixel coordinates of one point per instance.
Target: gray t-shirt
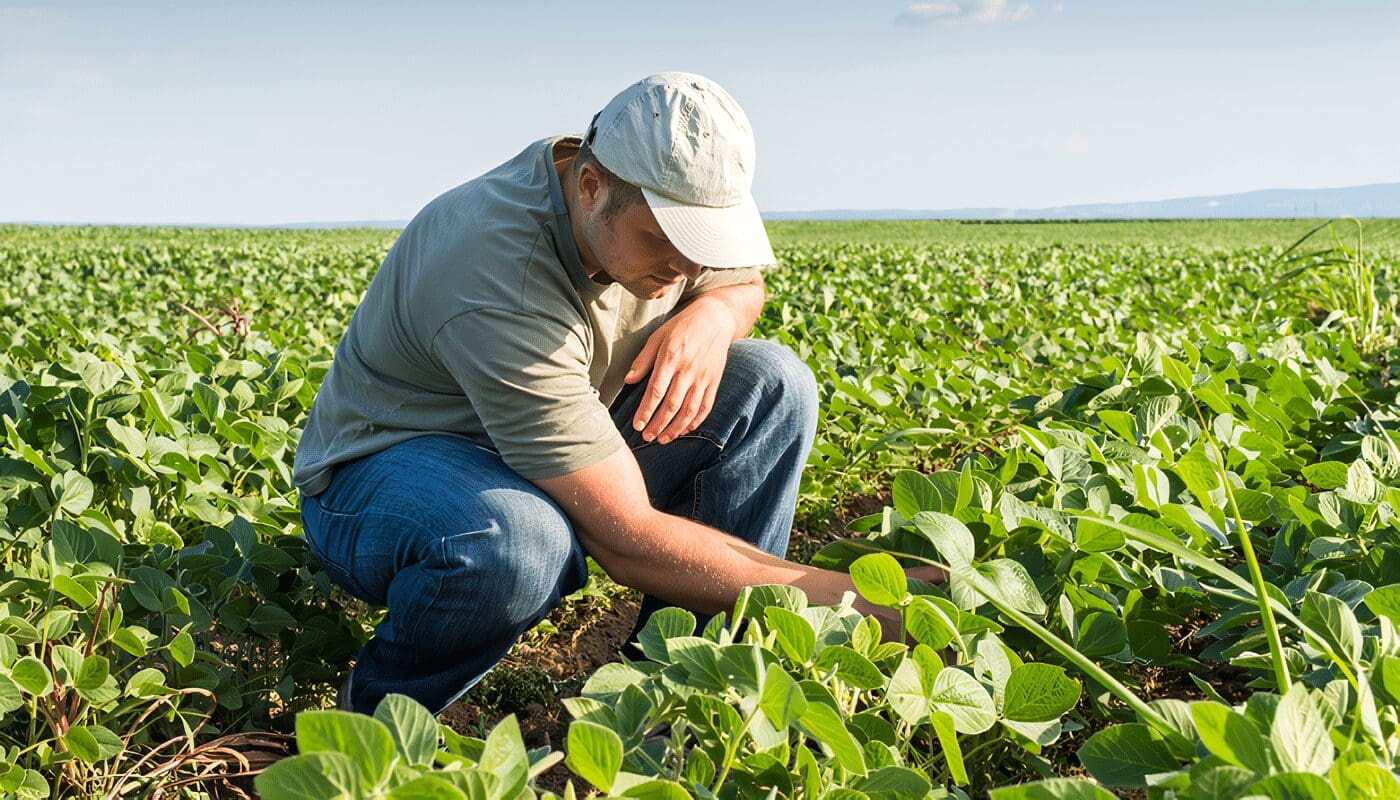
(483, 323)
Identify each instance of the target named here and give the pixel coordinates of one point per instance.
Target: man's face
(631, 249)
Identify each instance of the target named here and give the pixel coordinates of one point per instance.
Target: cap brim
(719, 238)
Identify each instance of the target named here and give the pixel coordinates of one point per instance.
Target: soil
(541, 671)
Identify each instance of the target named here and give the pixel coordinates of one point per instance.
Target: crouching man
(552, 362)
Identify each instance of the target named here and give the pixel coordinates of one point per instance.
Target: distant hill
(1374, 200)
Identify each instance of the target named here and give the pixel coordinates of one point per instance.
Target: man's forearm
(744, 301)
(701, 568)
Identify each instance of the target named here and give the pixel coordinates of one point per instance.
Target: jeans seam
(697, 486)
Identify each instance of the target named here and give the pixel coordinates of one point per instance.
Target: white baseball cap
(688, 146)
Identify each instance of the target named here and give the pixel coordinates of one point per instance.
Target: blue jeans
(468, 555)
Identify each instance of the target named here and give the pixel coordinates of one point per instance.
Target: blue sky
(265, 112)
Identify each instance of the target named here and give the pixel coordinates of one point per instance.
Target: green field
(1158, 459)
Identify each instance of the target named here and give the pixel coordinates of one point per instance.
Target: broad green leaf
(1299, 734)
(1384, 601)
(1326, 474)
(74, 492)
(182, 648)
(906, 693)
(1052, 789)
(928, 624)
(666, 623)
(964, 699)
(1039, 693)
(913, 493)
(1124, 755)
(426, 787)
(896, 781)
(1293, 786)
(1231, 736)
(879, 579)
(823, 724)
(32, 675)
(951, 538)
(796, 636)
(1101, 634)
(1334, 619)
(311, 776)
(851, 667)
(782, 700)
(594, 753)
(412, 727)
(504, 756)
(363, 739)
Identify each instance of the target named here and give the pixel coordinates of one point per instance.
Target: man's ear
(592, 188)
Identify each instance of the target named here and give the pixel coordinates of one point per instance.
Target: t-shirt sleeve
(526, 378)
(714, 278)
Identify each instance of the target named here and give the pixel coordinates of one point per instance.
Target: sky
(287, 111)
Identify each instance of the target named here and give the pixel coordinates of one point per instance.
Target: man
(550, 363)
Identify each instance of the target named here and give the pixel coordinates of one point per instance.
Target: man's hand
(685, 357)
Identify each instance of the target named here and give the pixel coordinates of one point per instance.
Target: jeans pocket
(326, 532)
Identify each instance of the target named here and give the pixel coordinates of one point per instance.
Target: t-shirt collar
(564, 244)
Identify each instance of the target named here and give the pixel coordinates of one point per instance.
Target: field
(1158, 459)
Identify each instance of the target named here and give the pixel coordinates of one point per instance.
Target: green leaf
(1009, 583)
(504, 756)
(666, 623)
(10, 697)
(951, 537)
(945, 729)
(1293, 786)
(1232, 736)
(782, 700)
(126, 639)
(1384, 601)
(82, 744)
(74, 492)
(964, 699)
(92, 674)
(363, 739)
(182, 648)
(1039, 693)
(796, 636)
(913, 492)
(311, 776)
(928, 624)
(412, 727)
(895, 780)
(906, 693)
(74, 591)
(1052, 789)
(1101, 634)
(426, 787)
(879, 579)
(1124, 755)
(594, 753)
(822, 723)
(1334, 619)
(1326, 474)
(1299, 733)
(851, 667)
(32, 675)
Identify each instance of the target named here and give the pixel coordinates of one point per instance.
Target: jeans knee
(519, 567)
(783, 378)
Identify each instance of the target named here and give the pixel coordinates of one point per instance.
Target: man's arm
(743, 301)
(686, 356)
(674, 558)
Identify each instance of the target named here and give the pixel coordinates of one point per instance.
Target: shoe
(342, 698)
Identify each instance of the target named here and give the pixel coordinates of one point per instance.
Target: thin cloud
(963, 12)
